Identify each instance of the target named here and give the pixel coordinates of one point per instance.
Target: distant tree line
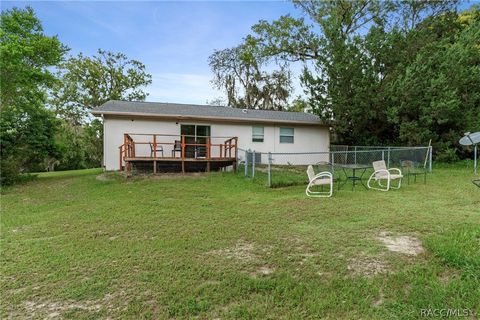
(46, 96)
(379, 72)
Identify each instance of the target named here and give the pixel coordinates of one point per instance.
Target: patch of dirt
(102, 177)
(403, 244)
(55, 309)
(263, 270)
(380, 299)
(242, 250)
(368, 266)
(300, 250)
(446, 276)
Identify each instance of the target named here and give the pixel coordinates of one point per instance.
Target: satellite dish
(470, 139)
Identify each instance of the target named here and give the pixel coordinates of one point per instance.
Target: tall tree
(358, 56)
(88, 82)
(440, 95)
(238, 72)
(27, 128)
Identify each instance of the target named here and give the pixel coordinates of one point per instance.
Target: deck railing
(176, 147)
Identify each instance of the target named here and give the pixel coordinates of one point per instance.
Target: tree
(237, 71)
(85, 83)
(27, 128)
(88, 82)
(440, 97)
(361, 57)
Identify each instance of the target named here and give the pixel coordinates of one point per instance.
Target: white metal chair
(320, 179)
(381, 173)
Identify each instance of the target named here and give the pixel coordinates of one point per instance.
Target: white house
(147, 131)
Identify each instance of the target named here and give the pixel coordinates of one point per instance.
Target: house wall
(307, 138)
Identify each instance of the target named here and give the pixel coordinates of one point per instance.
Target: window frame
(257, 135)
(292, 136)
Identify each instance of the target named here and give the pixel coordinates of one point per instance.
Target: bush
(9, 171)
(448, 155)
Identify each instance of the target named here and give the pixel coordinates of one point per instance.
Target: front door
(195, 134)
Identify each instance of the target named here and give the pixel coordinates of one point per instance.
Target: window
(257, 134)
(286, 135)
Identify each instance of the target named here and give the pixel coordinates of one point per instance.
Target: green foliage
(88, 82)
(384, 72)
(237, 71)
(27, 128)
(25, 55)
(439, 88)
(79, 146)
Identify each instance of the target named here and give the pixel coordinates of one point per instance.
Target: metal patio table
(354, 168)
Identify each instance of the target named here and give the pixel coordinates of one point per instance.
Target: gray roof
(191, 111)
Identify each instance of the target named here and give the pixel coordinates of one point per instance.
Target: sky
(173, 39)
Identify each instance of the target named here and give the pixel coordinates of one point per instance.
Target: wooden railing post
(236, 149)
(183, 153)
(154, 145)
(125, 146)
(236, 155)
(154, 154)
(209, 145)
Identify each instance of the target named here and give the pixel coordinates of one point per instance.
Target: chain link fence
(285, 169)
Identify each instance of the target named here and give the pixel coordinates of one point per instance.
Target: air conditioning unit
(258, 157)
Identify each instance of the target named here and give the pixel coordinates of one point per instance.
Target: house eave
(178, 117)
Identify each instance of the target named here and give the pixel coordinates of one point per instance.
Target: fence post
(253, 164)
(246, 163)
(269, 169)
(388, 158)
(430, 160)
(475, 158)
(355, 154)
(333, 162)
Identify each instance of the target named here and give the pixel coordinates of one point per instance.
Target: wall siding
(307, 138)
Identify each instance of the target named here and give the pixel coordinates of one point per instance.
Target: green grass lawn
(220, 246)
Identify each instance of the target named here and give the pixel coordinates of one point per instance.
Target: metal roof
(192, 111)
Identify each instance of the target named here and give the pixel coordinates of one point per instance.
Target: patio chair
(411, 168)
(325, 166)
(381, 173)
(320, 179)
(159, 149)
(177, 147)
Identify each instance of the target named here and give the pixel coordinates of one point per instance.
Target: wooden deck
(214, 154)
